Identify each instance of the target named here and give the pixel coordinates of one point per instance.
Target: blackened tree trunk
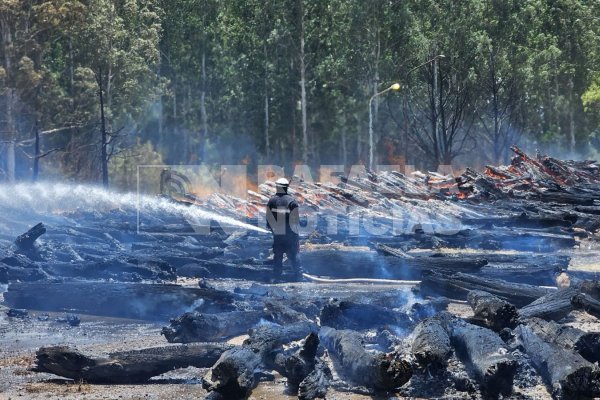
(104, 139)
(234, 375)
(588, 303)
(568, 374)
(303, 83)
(431, 344)
(198, 327)
(136, 366)
(457, 286)
(37, 155)
(585, 343)
(494, 312)
(486, 353)
(372, 369)
(553, 306)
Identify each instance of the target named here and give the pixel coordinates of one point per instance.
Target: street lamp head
(441, 56)
(395, 86)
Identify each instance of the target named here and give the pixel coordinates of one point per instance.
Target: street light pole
(425, 63)
(395, 86)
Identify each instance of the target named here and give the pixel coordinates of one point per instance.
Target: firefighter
(283, 221)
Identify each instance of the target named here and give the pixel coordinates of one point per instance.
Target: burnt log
(118, 270)
(315, 385)
(587, 344)
(553, 306)
(499, 238)
(591, 287)
(280, 313)
(299, 365)
(457, 286)
(359, 261)
(17, 313)
(357, 316)
(567, 373)
(427, 308)
(521, 273)
(157, 302)
(25, 241)
(4, 274)
(18, 274)
(267, 339)
(538, 260)
(494, 312)
(222, 269)
(587, 303)
(198, 327)
(135, 366)
(374, 370)
(234, 374)
(481, 348)
(19, 260)
(431, 344)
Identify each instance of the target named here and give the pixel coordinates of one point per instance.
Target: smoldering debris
(493, 242)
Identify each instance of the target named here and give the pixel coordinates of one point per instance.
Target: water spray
(58, 199)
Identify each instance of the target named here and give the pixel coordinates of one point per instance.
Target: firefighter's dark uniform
(283, 221)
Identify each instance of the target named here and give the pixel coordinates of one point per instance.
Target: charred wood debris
(354, 337)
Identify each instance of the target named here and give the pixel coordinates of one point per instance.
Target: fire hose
(318, 279)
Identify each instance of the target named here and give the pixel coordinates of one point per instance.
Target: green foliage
(591, 97)
(218, 81)
(124, 168)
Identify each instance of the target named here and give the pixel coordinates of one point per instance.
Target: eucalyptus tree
(442, 103)
(20, 75)
(117, 48)
(190, 55)
(501, 73)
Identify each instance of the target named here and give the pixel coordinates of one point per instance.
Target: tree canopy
(90, 88)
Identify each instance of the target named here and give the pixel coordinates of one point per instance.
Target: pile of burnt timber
(540, 193)
(435, 211)
(286, 337)
(543, 177)
(371, 339)
(531, 205)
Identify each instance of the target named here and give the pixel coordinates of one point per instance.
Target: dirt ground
(20, 338)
